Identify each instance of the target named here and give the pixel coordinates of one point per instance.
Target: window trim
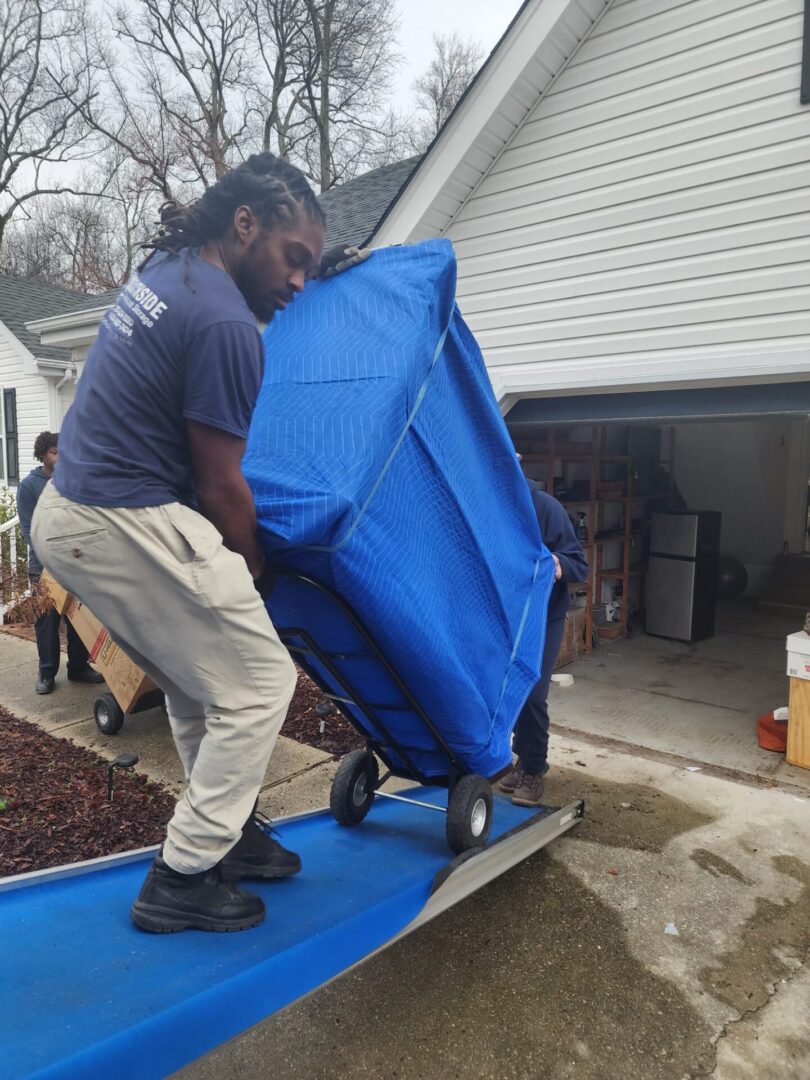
(804, 92)
(9, 438)
(3, 480)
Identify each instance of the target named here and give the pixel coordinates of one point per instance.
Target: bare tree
(176, 84)
(87, 243)
(327, 70)
(47, 80)
(130, 119)
(350, 62)
(282, 51)
(440, 88)
(196, 54)
(131, 210)
(29, 245)
(193, 86)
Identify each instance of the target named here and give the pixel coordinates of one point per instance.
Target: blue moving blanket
(381, 467)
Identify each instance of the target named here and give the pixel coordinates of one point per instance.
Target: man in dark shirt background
(47, 625)
(525, 782)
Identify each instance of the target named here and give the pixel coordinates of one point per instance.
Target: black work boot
(257, 855)
(170, 901)
(45, 684)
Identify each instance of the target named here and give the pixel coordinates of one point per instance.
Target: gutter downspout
(70, 373)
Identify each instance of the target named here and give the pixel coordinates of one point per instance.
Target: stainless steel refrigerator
(681, 590)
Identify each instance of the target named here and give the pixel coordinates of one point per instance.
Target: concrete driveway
(667, 937)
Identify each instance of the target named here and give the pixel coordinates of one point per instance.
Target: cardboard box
(59, 596)
(125, 679)
(798, 655)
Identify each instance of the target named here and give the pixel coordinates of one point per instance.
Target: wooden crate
(573, 641)
(610, 631)
(798, 739)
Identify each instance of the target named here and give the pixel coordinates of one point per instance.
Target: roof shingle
(104, 299)
(22, 300)
(353, 210)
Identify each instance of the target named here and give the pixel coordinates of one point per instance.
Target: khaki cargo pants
(184, 609)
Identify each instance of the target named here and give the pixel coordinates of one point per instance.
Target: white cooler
(798, 655)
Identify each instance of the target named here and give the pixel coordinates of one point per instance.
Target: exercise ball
(732, 577)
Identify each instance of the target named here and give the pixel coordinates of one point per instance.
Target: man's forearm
(230, 508)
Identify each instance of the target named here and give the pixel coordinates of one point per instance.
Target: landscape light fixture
(123, 761)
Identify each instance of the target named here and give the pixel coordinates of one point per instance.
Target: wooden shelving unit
(612, 515)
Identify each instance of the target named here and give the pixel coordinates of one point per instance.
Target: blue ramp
(87, 995)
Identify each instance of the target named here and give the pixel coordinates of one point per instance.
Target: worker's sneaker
(530, 792)
(257, 855)
(512, 781)
(170, 901)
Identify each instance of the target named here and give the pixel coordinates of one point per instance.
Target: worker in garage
(526, 780)
(159, 425)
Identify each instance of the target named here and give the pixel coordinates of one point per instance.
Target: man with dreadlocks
(159, 424)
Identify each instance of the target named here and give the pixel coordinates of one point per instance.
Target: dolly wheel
(469, 814)
(353, 787)
(108, 714)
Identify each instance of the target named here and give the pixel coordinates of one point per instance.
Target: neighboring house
(36, 380)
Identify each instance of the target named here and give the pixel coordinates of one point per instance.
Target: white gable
(541, 40)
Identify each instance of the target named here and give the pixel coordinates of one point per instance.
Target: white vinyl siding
(528, 78)
(66, 397)
(655, 202)
(32, 399)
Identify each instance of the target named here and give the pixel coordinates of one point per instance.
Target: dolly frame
(351, 696)
(357, 782)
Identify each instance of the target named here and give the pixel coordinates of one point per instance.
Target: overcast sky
(484, 20)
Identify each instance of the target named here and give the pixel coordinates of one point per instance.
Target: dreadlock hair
(45, 441)
(275, 191)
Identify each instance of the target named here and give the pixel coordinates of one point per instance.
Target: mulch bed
(330, 732)
(27, 633)
(53, 794)
(54, 807)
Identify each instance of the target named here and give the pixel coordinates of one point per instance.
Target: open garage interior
(692, 506)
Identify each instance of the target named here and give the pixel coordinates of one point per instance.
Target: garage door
(769, 399)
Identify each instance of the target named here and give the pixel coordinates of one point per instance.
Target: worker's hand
(557, 567)
(265, 582)
(340, 258)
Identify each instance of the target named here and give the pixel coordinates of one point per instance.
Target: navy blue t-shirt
(180, 343)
